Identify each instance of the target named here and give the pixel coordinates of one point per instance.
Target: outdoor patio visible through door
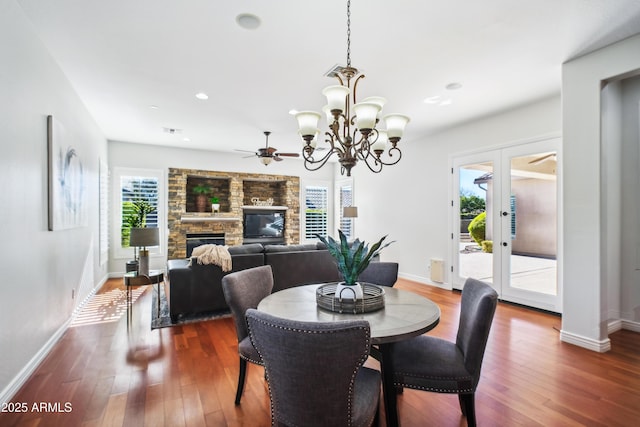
(505, 222)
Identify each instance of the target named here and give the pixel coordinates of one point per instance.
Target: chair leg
(468, 408)
(242, 374)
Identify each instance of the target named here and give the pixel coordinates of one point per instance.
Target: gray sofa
(196, 288)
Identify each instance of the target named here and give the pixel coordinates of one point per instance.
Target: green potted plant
(201, 192)
(215, 204)
(351, 259)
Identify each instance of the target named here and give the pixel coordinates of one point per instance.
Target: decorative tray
(373, 299)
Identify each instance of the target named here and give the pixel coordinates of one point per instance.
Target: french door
(505, 210)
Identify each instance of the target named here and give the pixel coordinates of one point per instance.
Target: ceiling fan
(544, 158)
(267, 154)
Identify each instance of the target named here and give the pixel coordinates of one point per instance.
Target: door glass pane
(475, 255)
(533, 222)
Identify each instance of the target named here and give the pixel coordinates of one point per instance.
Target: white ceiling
(122, 56)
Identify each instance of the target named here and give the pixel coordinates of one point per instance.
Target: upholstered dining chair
(380, 273)
(437, 365)
(244, 290)
(314, 371)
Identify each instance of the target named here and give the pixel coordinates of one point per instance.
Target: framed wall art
(67, 180)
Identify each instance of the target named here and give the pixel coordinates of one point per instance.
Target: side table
(132, 278)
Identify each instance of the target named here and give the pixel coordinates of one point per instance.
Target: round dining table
(405, 315)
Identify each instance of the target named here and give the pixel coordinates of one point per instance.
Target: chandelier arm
(390, 154)
(378, 164)
(321, 162)
(355, 85)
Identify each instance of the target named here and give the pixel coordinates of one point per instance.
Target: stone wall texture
(234, 190)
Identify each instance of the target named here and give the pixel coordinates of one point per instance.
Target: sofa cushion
(290, 248)
(253, 248)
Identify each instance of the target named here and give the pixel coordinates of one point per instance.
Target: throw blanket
(213, 254)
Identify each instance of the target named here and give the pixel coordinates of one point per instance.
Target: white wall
(40, 268)
(412, 200)
(144, 156)
(585, 315)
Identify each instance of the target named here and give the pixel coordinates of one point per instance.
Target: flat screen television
(263, 226)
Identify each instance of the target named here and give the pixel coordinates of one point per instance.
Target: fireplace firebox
(197, 239)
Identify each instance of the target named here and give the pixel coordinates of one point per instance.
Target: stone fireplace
(236, 192)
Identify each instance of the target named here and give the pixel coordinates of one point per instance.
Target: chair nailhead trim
(306, 331)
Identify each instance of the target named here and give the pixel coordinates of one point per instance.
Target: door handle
(504, 244)
(505, 213)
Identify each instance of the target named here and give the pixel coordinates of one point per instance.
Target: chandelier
(347, 118)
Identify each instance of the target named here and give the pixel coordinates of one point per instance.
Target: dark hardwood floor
(119, 373)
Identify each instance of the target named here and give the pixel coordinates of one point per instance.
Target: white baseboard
(424, 281)
(630, 325)
(594, 345)
(18, 381)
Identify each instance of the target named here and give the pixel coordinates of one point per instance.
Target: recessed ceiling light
(447, 101)
(248, 21)
(153, 107)
(433, 99)
(187, 139)
(453, 86)
(202, 96)
(172, 131)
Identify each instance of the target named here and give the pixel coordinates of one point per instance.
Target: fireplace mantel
(208, 219)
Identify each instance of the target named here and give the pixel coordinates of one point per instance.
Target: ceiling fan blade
(277, 158)
(550, 156)
(244, 151)
(288, 154)
(271, 150)
(253, 155)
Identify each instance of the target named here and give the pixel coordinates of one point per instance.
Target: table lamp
(143, 238)
(350, 212)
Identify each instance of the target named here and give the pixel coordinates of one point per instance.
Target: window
(104, 212)
(346, 199)
(137, 194)
(315, 211)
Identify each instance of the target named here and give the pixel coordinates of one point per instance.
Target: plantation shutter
(316, 200)
(137, 189)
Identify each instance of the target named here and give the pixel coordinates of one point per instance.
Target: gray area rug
(164, 320)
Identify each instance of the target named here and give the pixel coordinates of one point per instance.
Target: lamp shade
(366, 113)
(381, 142)
(144, 237)
(336, 97)
(265, 160)
(395, 125)
(308, 122)
(350, 212)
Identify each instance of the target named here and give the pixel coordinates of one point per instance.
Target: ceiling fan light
(308, 122)
(265, 160)
(395, 125)
(336, 97)
(366, 113)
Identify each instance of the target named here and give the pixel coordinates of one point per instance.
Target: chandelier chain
(348, 33)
